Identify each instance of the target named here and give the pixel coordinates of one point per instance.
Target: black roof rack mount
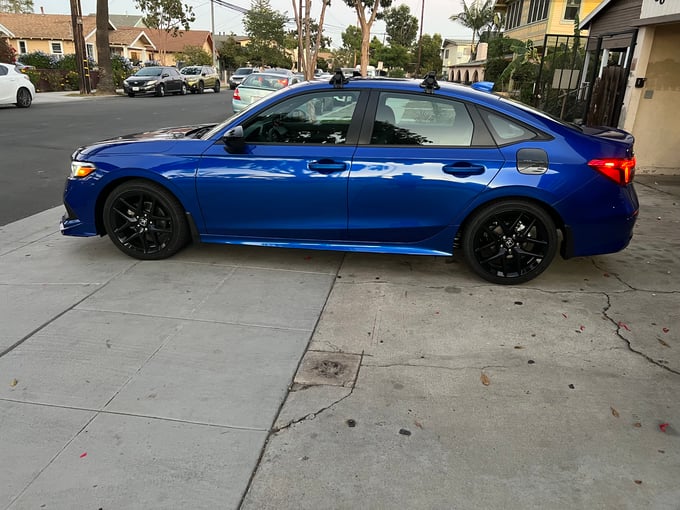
(430, 83)
(338, 80)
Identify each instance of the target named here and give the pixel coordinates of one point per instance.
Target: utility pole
(420, 37)
(212, 21)
(300, 45)
(79, 42)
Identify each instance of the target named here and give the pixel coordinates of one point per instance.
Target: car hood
(169, 134)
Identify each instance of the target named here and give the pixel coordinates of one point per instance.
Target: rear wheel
(216, 88)
(510, 242)
(145, 221)
(24, 98)
(160, 91)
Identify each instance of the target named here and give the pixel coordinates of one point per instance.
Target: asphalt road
(36, 143)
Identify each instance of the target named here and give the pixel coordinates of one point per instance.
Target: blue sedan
(371, 165)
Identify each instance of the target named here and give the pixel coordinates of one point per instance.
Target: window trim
(570, 4)
(538, 11)
(516, 19)
(25, 44)
(61, 48)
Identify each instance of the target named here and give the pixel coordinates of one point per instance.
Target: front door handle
(463, 168)
(327, 166)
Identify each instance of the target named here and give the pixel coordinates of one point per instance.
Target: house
(470, 71)
(454, 52)
(640, 39)
(532, 19)
(169, 45)
(128, 42)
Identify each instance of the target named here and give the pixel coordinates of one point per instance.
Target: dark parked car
(373, 165)
(157, 80)
(199, 78)
(238, 76)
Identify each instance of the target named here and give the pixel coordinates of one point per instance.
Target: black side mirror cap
(234, 140)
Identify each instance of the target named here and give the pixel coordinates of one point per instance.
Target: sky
(338, 15)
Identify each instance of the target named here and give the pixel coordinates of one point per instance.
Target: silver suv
(238, 76)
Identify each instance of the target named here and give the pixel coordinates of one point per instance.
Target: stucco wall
(655, 124)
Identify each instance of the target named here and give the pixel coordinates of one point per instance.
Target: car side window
(408, 119)
(319, 118)
(3, 70)
(505, 130)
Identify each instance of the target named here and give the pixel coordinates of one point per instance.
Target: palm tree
(477, 16)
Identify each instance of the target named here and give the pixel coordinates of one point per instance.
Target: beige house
(53, 34)
(454, 52)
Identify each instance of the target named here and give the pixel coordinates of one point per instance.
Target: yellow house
(533, 19)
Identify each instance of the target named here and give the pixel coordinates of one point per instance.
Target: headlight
(80, 169)
(151, 82)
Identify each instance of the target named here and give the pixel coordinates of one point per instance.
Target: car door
(421, 159)
(289, 181)
(175, 80)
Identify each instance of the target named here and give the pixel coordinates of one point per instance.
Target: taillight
(237, 96)
(619, 170)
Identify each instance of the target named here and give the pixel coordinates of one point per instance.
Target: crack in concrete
(313, 415)
(628, 343)
(452, 369)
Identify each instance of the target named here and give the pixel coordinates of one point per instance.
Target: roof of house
(43, 26)
(585, 22)
(131, 37)
(127, 20)
(170, 43)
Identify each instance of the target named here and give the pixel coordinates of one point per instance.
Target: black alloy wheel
(216, 88)
(510, 242)
(160, 91)
(200, 87)
(24, 99)
(183, 90)
(145, 221)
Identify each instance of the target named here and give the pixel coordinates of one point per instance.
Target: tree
(16, 6)
(317, 42)
(265, 28)
(7, 53)
(367, 12)
(169, 16)
(402, 27)
(231, 54)
(194, 55)
(106, 83)
(430, 55)
(477, 16)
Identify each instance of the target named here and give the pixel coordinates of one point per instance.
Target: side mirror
(234, 140)
(165, 75)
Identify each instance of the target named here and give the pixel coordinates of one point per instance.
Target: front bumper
(139, 89)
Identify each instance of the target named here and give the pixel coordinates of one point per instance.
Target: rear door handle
(327, 166)
(463, 168)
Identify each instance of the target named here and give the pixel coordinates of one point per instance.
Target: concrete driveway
(413, 384)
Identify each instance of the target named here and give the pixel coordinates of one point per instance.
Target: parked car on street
(199, 78)
(258, 85)
(238, 76)
(15, 87)
(374, 165)
(157, 80)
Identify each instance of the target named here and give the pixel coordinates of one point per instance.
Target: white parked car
(15, 87)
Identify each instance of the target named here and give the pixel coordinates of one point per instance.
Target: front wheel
(183, 90)
(160, 91)
(510, 242)
(216, 88)
(145, 221)
(200, 87)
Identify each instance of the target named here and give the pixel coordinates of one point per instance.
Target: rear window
(265, 81)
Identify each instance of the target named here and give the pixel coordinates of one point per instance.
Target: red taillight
(619, 170)
(237, 96)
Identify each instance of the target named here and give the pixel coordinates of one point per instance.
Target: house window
(446, 53)
(572, 8)
(514, 16)
(89, 49)
(23, 47)
(538, 10)
(56, 47)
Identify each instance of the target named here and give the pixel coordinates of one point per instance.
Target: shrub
(72, 81)
(397, 72)
(121, 68)
(39, 60)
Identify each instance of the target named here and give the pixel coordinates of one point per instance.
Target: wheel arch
(113, 184)
(543, 204)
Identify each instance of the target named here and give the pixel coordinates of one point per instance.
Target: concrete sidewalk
(179, 384)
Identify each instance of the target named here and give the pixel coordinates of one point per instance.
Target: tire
(200, 87)
(24, 98)
(216, 88)
(145, 221)
(131, 94)
(509, 242)
(183, 90)
(160, 91)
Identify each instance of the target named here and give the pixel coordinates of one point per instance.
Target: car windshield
(191, 70)
(149, 71)
(244, 70)
(265, 81)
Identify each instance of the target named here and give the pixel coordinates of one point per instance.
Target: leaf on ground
(665, 330)
(519, 347)
(624, 326)
(615, 413)
(418, 424)
(13, 383)
(637, 424)
(663, 427)
(485, 379)
(639, 482)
